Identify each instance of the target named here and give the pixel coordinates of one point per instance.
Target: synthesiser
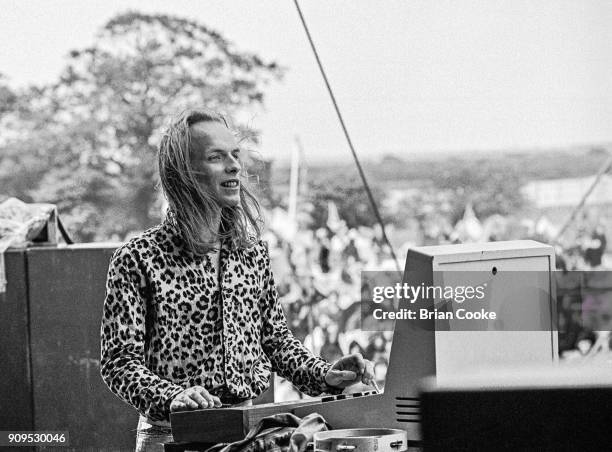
(228, 424)
(519, 287)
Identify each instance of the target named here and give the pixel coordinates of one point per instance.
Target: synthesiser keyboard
(227, 424)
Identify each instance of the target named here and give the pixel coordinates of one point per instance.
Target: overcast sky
(410, 76)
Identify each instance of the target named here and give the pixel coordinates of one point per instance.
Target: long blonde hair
(193, 209)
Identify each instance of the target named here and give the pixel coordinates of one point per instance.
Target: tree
(8, 98)
(349, 195)
(88, 141)
(489, 189)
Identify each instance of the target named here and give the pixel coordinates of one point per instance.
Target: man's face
(216, 160)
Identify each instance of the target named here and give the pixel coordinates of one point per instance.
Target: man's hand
(349, 370)
(194, 398)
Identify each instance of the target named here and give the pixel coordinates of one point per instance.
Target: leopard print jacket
(167, 325)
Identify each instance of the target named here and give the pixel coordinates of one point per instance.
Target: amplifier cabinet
(50, 317)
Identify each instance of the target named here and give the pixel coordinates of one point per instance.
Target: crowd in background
(318, 278)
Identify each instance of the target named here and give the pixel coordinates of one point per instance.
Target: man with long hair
(191, 317)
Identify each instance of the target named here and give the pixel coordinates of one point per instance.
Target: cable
(348, 138)
(62, 230)
(603, 170)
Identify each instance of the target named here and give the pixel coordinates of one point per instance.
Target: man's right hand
(194, 398)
